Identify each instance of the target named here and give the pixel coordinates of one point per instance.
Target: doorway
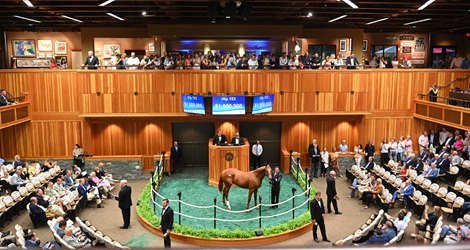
(269, 134)
(193, 138)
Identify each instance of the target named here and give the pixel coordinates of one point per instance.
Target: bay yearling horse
(251, 180)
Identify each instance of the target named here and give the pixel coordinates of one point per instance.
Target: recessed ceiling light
(336, 19)
(376, 21)
(419, 21)
(117, 17)
(310, 14)
(144, 13)
(228, 17)
(106, 3)
(71, 18)
(426, 4)
(27, 2)
(28, 19)
(353, 5)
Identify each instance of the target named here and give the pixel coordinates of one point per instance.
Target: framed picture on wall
(60, 48)
(41, 54)
(49, 55)
(350, 44)
(33, 63)
(24, 48)
(365, 45)
(111, 48)
(342, 45)
(151, 47)
(45, 45)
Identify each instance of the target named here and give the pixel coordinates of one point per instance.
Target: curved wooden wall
(305, 102)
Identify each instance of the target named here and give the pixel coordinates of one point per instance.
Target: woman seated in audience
(3, 177)
(34, 169)
(103, 193)
(48, 164)
(326, 63)
(404, 173)
(17, 162)
(429, 218)
(375, 191)
(103, 183)
(52, 193)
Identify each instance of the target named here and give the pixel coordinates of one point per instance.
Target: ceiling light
(426, 4)
(27, 2)
(228, 17)
(336, 19)
(354, 6)
(28, 19)
(376, 21)
(310, 14)
(144, 13)
(106, 3)
(117, 17)
(71, 18)
(419, 21)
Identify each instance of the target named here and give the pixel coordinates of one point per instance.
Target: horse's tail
(221, 183)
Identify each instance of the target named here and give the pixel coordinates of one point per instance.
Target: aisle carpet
(198, 192)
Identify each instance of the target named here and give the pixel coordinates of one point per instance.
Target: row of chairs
(20, 233)
(12, 204)
(57, 238)
(95, 233)
(363, 231)
(400, 233)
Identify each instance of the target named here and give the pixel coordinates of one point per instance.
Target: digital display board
(228, 105)
(193, 104)
(263, 104)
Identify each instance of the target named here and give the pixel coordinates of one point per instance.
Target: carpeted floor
(109, 219)
(198, 192)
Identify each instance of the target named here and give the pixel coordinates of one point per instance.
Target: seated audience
(383, 235)
(375, 191)
(4, 100)
(17, 162)
(357, 184)
(431, 173)
(73, 241)
(452, 232)
(16, 180)
(405, 192)
(38, 211)
(444, 165)
(370, 164)
(69, 179)
(48, 203)
(430, 218)
(91, 193)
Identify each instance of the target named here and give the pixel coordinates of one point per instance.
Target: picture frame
(60, 48)
(24, 48)
(58, 60)
(33, 63)
(350, 41)
(111, 48)
(49, 55)
(45, 45)
(365, 45)
(342, 45)
(41, 54)
(151, 47)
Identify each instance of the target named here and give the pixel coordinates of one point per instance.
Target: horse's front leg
(256, 196)
(226, 190)
(249, 198)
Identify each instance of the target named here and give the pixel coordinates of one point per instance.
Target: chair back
(459, 185)
(442, 192)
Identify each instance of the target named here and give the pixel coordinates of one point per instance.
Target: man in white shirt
(423, 142)
(443, 136)
(253, 63)
(133, 62)
(283, 61)
(257, 150)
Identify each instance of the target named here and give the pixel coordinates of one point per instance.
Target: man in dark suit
(370, 164)
(125, 203)
(4, 101)
(237, 140)
(317, 214)
(352, 61)
(37, 211)
(219, 138)
(444, 165)
(175, 157)
(314, 152)
(166, 223)
(411, 162)
(434, 139)
(331, 194)
(275, 186)
(91, 61)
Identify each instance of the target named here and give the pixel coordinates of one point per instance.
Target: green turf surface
(198, 192)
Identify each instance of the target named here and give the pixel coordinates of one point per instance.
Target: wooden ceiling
(445, 15)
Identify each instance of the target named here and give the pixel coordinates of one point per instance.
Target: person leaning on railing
(4, 100)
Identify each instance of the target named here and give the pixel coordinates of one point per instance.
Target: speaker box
(259, 232)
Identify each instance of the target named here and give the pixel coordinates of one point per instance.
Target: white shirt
(393, 146)
(325, 156)
(283, 61)
(443, 136)
(423, 141)
(252, 64)
(133, 62)
(257, 149)
(384, 148)
(401, 147)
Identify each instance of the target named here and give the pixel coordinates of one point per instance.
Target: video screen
(228, 105)
(263, 104)
(193, 104)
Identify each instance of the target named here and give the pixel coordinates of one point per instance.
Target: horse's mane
(263, 168)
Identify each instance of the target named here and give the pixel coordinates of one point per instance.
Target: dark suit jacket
(216, 140)
(124, 197)
(42, 202)
(167, 220)
(175, 155)
(444, 166)
(91, 63)
(348, 61)
(369, 149)
(276, 181)
(32, 244)
(3, 102)
(82, 190)
(330, 186)
(36, 210)
(435, 141)
(241, 141)
(315, 155)
(450, 143)
(317, 212)
(412, 163)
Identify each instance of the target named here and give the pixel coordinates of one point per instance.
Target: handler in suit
(166, 224)
(125, 203)
(314, 152)
(4, 101)
(91, 61)
(331, 192)
(352, 61)
(175, 157)
(317, 214)
(237, 140)
(275, 186)
(219, 138)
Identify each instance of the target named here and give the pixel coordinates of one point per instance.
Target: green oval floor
(198, 192)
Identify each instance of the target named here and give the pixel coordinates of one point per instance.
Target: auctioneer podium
(223, 157)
